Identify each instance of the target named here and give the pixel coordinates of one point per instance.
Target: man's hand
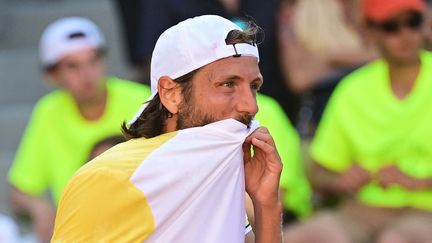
(262, 174)
(43, 215)
(263, 169)
(392, 175)
(353, 179)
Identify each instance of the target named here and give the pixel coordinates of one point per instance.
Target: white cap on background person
(66, 36)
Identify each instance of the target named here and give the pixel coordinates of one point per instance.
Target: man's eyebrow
(232, 77)
(236, 77)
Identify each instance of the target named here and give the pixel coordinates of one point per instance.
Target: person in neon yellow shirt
(65, 124)
(373, 143)
(296, 193)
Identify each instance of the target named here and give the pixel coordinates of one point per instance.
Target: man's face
(81, 73)
(400, 38)
(220, 90)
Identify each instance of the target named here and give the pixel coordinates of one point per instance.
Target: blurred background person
(296, 193)
(320, 42)
(65, 124)
(372, 146)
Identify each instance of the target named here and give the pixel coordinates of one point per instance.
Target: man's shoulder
(52, 102)
(124, 158)
(268, 105)
(364, 76)
(426, 63)
(271, 113)
(361, 82)
(266, 100)
(427, 56)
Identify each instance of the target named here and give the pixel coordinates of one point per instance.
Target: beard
(191, 115)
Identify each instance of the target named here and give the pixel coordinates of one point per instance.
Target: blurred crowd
(345, 96)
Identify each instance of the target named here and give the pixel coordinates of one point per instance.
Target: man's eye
(255, 87)
(70, 65)
(228, 84)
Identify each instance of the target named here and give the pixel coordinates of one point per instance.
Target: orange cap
(382, 10)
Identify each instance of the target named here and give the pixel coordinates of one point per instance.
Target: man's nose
(86, 70)
(247, 102)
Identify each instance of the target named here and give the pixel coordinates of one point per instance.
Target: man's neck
(94, 108)
(403, 76)
(170, 124)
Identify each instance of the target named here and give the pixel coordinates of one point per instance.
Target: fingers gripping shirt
(186, 186)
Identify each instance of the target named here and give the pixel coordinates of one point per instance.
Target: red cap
(382, 10)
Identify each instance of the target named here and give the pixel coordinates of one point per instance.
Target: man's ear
(169, 94)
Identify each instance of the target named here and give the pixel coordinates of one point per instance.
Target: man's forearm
(428, 183)
(268, 223)
(41, 211)
(20, 202)
(323, 180)
(423, 184)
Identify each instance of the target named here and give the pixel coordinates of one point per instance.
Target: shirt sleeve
(28, 172)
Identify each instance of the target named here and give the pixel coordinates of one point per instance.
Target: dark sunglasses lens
(415, 21)
(390, 26)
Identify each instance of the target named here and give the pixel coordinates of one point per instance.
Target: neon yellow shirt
(58, 140)
(365, 123)
(293, 179)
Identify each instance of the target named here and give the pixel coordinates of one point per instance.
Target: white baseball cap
(191, 44)
(66, 36)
